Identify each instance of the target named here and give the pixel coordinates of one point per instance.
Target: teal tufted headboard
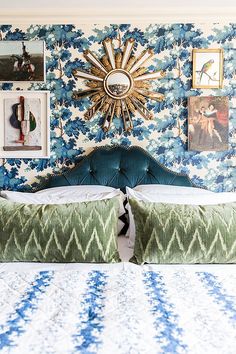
(117, 167)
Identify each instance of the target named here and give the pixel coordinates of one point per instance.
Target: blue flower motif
(165, 137)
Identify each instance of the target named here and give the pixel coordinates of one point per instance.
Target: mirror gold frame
(118, 84)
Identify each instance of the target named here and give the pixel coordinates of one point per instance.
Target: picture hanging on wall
(24, 124)
(22, 61)
(208, 68)
(208, 120)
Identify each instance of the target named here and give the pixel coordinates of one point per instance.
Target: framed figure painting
(208, 68)
(22, 61)
(24, 124)
(208, 121)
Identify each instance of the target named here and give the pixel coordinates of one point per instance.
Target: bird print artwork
(205, 68)
(208, 68)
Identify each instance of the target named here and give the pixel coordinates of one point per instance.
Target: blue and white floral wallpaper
(165, 137)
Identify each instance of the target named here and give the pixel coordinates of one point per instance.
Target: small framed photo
(24, 124)
(22, 61)
(208, 68)
(208, 123)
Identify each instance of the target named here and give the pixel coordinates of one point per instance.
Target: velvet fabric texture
(171, 233)
(77, 232)
(118, 167)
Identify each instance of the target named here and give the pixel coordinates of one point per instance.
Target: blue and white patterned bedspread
(133, 310)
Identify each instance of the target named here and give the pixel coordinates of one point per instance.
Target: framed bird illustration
(208, 68)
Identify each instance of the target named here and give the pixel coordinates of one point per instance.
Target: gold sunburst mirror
(118, 84)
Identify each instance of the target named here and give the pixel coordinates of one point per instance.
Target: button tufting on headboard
(118, 167)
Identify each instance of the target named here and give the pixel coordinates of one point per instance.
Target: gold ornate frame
(123, 97)
(221, 63)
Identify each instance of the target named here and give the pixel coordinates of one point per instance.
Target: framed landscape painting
(208, 123)
(208, 68)
(22, 61)
(24, 124)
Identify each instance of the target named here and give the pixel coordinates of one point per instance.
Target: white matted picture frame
(22, 61)
(25, 124)
(208, 68)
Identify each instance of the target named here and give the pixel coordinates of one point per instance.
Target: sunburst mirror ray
(119, 84)
(107, 43)
(127, 52)
(94, 61)
(84, 75)
(147, 54)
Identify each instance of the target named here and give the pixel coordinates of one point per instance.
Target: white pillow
(68, 194)
(80, 190)
(207, 198)
(166, 189)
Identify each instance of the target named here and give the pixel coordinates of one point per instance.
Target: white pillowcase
(80, 190)
(166, 189)
(68, 194)
(173, 195)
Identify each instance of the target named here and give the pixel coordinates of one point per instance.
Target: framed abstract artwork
(24, 124)
(208, 68)
(208, 122)
(22, 61)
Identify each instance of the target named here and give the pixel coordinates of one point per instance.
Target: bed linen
(75, 232)
(172, 195)
(177, 234)
(68, 195)
(117, 308)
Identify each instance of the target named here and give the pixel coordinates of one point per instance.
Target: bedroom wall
(165, 137)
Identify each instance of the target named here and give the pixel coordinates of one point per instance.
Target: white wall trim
(88, 15)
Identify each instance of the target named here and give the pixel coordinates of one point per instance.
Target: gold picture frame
(208, 68)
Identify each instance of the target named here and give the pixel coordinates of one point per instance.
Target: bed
(118, 308)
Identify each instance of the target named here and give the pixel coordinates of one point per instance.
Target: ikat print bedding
(120, 308)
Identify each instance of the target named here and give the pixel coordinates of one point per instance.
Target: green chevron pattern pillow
(78, 232)
(171, 233)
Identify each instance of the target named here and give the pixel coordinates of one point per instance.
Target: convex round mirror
(118, 83)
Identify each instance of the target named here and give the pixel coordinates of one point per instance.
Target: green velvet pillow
(77, 232)
(171, 233)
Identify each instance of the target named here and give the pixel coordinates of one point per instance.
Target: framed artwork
(208, 68)
(208, 121)
(24, 124)
(22, 61)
